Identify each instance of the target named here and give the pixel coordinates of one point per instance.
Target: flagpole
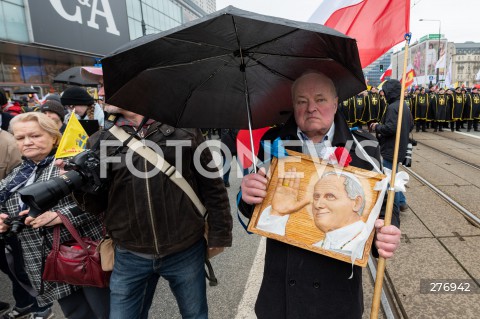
(377, 293)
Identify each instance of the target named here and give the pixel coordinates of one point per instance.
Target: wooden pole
(377, 293)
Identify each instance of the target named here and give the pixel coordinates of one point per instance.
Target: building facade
(41, 38)
(454, 64)
(466, 64)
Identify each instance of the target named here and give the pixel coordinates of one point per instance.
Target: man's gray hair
(294, 84)
(353, 187)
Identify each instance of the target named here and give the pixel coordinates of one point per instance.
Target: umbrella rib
(227, 61)
(278, 73)
(190, 62)
(273, 40)
(272, 70)
(198, 43)
(293, 56)
(196, 88)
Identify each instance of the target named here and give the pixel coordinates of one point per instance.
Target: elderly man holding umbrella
(244, 77)
(298, 283)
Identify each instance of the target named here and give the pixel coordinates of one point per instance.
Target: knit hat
(55, 107)
(75, 95)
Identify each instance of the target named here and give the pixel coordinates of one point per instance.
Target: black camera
(16, 223)
(83, 174)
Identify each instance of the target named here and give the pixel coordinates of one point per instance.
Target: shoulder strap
(73, 231)
(160, 163)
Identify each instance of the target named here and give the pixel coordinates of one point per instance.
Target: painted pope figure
(337, 206)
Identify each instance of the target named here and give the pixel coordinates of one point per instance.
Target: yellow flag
(73, 140)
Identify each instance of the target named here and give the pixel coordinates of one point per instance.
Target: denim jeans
(398, 199)
(399, 196)
(135, 278)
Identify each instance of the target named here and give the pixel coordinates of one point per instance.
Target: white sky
(460, 19)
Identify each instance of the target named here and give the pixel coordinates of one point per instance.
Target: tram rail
(475, 166)
(474, 220)
(391, 302)
(470, 217)
(459, 140)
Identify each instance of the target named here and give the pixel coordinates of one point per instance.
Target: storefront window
(10, 68)
(32, 70)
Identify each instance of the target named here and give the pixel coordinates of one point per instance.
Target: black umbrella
(25, 90)
(73, 76)
(213, 71)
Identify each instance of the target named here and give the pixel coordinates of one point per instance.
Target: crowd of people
(437, 108)
(163, 227)
(443, 108)
(157, 226)
(364, 108)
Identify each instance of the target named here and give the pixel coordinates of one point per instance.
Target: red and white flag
(377, 25)
(244, 150)
(388, 72)
(409, 76)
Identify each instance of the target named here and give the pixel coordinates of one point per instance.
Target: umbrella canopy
(219, 69)
(92, 73)
(73, 76)
(25, 90)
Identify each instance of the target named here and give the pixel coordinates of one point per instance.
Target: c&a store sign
(91, 26)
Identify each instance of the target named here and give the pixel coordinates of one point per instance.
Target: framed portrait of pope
(324, 208)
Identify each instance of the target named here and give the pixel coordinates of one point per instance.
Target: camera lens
(43, 196)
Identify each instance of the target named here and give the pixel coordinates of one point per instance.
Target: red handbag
(75, 262)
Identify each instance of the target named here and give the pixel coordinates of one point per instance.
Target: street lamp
(439, 36)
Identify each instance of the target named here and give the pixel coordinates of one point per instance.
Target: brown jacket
(153, 215)
(10, 156)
